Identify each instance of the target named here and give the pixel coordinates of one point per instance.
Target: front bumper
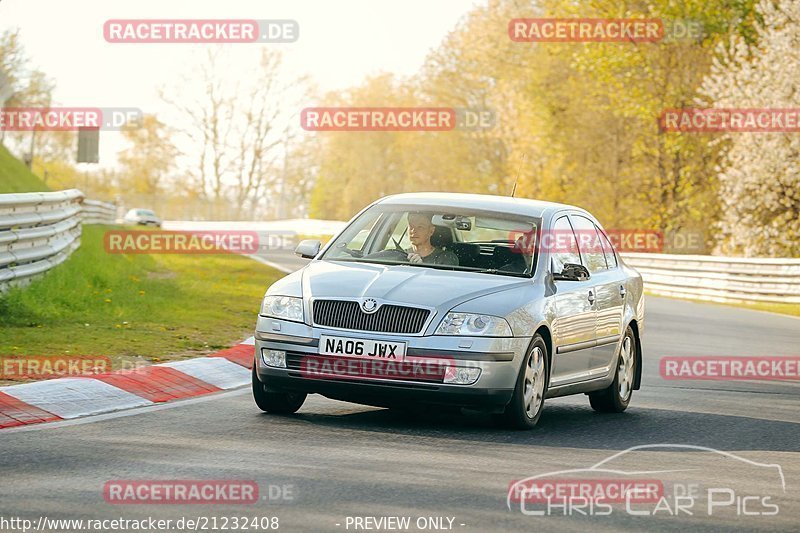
(498, 358)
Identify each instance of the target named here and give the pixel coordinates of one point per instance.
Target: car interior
(500, 255)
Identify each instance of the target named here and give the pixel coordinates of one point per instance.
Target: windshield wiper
(503, 272)
(459, 268)
(365, 260)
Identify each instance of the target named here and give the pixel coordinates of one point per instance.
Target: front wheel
(527, 402)
(617, 396)
(282, 403)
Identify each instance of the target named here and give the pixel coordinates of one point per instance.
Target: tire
(279, 403)
(617, 396)
(527, 402)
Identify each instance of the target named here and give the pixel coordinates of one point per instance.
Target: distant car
(513, 301)
(142, 217)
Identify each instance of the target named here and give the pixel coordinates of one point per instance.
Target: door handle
(591, 297)
(622, 291)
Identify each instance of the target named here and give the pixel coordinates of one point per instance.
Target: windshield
(440, 237)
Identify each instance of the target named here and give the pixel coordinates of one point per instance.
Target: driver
(420, 231)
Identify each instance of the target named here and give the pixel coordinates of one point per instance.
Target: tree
(759, 174)
(575, 122)
(148, 162)
(22, 86)
(236, 129)
(13, 65)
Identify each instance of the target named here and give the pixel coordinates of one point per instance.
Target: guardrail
(40, 230)
(719, 279)
(95, 212)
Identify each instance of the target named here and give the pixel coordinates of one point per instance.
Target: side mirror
(308, 248)
(572, 272)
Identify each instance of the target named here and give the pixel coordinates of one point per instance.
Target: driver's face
(420, 229)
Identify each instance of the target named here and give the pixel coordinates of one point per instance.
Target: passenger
(420, 231)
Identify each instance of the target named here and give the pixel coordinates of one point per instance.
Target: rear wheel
(617, 396)
(282, 403)
(527, 402)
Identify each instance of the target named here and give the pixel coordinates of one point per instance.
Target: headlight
(286, 307)
(473, 325)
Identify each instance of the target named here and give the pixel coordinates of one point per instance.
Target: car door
(609, 291)
(611, 328)
(575, 321)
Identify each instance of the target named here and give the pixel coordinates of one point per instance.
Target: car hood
(420, 286)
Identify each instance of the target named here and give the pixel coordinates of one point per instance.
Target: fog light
(462, 376)
(276, 358)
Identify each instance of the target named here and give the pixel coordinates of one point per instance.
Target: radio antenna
(516, 178)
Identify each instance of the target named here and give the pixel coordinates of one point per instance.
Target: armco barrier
(40, 230)
(95, 212)
(719, 279)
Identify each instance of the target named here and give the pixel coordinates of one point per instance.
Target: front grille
(347, 314)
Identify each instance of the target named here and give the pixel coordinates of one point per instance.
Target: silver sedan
(482, 302)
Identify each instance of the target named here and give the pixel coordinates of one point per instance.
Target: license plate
(361, 348)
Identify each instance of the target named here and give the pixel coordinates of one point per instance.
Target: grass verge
(134, 308)
(15, 176)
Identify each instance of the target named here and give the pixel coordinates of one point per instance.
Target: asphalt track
(338, 462)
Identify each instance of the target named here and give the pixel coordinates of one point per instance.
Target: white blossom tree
(760, 172)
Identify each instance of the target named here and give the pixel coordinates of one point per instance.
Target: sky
(340, 43)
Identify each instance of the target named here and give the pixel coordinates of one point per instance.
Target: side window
(562, 243)
(608, 250)
(589, 244)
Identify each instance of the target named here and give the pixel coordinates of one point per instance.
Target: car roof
(506, 204)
